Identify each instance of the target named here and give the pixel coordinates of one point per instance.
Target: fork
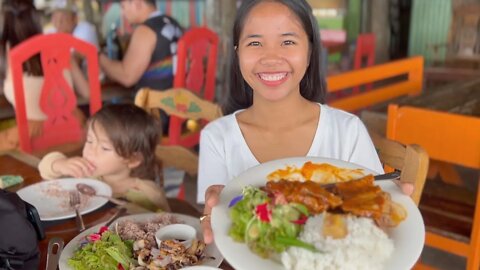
(75, 203)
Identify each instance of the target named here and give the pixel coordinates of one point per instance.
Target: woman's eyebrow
(253, 36)
(289, 34)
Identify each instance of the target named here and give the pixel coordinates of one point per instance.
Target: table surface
(21, 164)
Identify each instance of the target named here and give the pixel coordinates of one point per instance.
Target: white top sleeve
(224, 154)
(212, 162)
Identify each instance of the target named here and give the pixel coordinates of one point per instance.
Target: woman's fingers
(407, 188)
(211, 199)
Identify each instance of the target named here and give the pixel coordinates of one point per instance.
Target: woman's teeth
(272, 77)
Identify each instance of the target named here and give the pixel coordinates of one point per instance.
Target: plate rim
(221, 209)
(101, 201)
(63, 261)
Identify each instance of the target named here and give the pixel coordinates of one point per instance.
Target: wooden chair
(364, 49)
(410, 159)
(410, 71)
(184, 104)
(196, 69)
(58, 100)
(449, 138)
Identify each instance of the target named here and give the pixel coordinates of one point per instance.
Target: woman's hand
(211, 199)
(407, 188)
(75, 166)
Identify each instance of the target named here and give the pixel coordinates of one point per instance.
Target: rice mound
(365, 247)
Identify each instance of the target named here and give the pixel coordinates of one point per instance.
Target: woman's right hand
(211, 199)
(75, 166)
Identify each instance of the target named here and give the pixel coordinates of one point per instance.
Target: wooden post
(220, 16)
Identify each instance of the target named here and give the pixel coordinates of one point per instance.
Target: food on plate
(365, 246)
(105, 250)
(135, 230)
(265, 227)
(311, 194)
(55, 189)
(131, 245)
(317, 172)
(307, 221)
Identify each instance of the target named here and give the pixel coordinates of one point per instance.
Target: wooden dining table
(18, 163)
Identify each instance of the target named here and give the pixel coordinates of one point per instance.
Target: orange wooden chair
(182, 103)
(365, 49)
(411, 69)
(195, 70)
(58, 100)
(449, 138)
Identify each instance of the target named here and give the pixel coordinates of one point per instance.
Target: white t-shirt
(224, 153)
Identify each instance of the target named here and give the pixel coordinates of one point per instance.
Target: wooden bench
(391, 80)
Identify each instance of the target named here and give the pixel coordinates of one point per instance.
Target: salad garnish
(267, 225)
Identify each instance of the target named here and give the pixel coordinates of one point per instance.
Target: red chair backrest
(195, 70)
(365, 48)
(57, 100)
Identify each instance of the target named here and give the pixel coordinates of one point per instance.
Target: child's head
(312, 85)
(122, 136)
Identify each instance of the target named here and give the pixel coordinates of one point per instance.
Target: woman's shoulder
(223, 124)
(339, 116)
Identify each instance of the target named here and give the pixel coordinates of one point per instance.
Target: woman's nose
(271, 56)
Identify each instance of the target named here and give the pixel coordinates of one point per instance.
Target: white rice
(365, 247)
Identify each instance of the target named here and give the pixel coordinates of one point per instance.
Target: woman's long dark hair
(20, 21)
(312, 86)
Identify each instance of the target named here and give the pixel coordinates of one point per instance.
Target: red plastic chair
(58, 100)
(365, 48)
(196, 69)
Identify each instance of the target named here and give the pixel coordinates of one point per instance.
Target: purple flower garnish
(235, 200)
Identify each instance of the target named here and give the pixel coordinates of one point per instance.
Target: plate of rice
(366, 246)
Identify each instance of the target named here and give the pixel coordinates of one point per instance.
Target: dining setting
(293, 145)
(57, 209)
(73, 219)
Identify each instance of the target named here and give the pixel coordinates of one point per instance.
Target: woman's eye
(288, 42)
(254, 43)
(89, 141)
(106, 148)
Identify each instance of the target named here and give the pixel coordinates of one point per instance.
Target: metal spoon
(90, 191)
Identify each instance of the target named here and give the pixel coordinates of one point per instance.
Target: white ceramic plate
(211, 250)
(51, 198)
(408, 237)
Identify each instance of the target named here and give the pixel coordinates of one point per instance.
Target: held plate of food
(134, 242)
(281, 215)
(51, 198)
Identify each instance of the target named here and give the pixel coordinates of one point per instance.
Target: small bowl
(181, 232)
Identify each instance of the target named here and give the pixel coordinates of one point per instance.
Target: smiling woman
(275, 99)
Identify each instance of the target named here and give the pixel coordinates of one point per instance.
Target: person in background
(275, 107)
(65, 20)
(120, 151)
(20, 21)
(150, 56)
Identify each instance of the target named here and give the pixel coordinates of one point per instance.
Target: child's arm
(153, 195)
(56, 164)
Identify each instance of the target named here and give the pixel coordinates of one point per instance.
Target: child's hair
(312, 86)
(19, 21)
(132, 131)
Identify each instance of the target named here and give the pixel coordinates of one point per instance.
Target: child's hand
(75, 166)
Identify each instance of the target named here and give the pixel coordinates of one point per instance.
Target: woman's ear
(134, 161)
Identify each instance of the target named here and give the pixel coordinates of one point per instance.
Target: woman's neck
(280, 114)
